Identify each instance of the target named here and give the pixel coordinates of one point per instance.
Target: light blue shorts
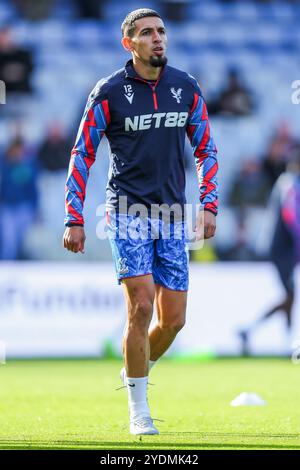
(149, 246)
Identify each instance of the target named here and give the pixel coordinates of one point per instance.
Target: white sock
(151, 364)
(137, 397)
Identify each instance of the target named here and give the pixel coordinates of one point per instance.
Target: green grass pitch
(72, 404)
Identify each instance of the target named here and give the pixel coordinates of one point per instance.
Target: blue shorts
(149, 246)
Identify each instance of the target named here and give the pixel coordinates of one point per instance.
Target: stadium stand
(259, 40)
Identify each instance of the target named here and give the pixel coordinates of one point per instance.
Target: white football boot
(143, 426)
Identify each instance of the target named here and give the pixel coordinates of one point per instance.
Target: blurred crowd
(175, 10)
(21, 166)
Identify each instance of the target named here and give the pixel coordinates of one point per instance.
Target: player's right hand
(74, 238)
(205, 225)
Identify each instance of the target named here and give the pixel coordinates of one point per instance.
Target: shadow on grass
(162, 446)
(144, 444)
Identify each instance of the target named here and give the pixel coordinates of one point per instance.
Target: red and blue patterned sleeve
(94, 123)
(205, 153)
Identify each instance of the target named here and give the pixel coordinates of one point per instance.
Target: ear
(127, 43)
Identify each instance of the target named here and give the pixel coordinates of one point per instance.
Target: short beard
(158, 61)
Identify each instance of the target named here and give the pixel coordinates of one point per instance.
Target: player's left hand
(205, 225)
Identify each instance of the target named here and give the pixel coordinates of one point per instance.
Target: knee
(173, 326)
(141, 313)
(144, 307)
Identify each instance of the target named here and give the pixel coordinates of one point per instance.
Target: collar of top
(130, 71)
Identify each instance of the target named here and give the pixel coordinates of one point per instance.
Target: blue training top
(145, 123)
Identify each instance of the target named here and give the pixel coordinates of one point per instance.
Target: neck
(146, 71)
